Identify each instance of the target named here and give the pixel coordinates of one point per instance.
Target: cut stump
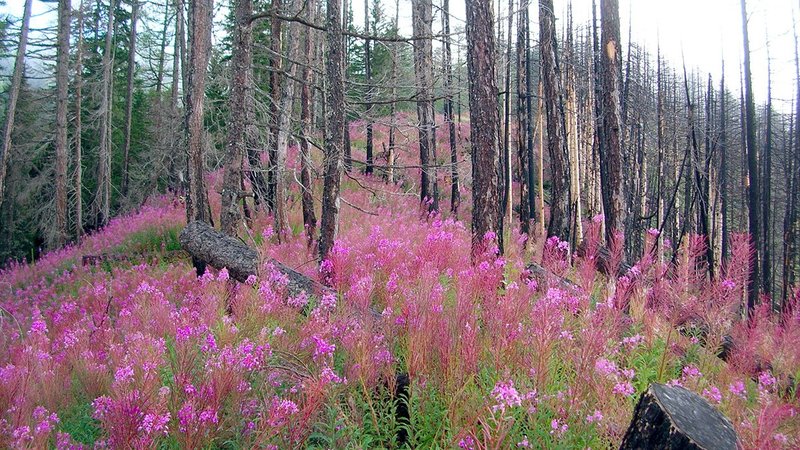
(671, 417)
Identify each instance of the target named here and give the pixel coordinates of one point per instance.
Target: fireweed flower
(713, 394)
(322, 347)
(467, 443)
(506, 396)
(738, 388)
(596, 417)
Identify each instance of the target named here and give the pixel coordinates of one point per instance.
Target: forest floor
(134, 350)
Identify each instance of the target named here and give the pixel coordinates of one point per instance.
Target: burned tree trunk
(610, 143)
(523, 118)
(423, 70)
(455, 195)
(306, 99)
(753, 187)
(484, 124)
(671, 417)
(556, 140)
(334, 127)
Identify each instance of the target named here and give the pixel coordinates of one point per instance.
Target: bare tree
(484, 124)
(368, 81)
(523, 118)
(422, 11)
(334, 127)
(610, 144)
(126, 147)
(753, 187)
(284, 118)
(556, 140)
(102, 199)
(306, 100)
(13, 95)
(240, 88)
(62, 144)
(447, 67)
(78, 182)
(201, 11)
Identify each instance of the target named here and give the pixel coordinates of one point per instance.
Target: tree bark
(422, 11)
(200, 43)
(126, 149)
(284, 122)
(240, 90)
(560, 214)
(102, 202)
(507, 194)
(275, 75)
(455, 194)
(766, 196)
(334, 127)
(62, 143)
(523, 119)
(753, 187)
(219, 250)
(78, 182)
(368, 169)
(306, 100)
(484, 124)
(610, 145)
(13, 95)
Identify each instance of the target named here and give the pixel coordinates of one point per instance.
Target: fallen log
(672, 417)
(219, 250)
(545, 278)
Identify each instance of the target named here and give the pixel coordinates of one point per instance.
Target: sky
(701, 31)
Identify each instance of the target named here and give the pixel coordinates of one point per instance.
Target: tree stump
(671, 417)
(219, 250)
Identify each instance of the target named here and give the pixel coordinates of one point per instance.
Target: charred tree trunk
(13, 95)
(455, 194)
(306, 100)
(126, 148)
(766, 192)
(560, 214)
(753, 187)
(423, 69)
(62, 143)
(699, 192)
(393, 109)
(506, 195)
(201, 11)
(610, 144)
(368, 169)
(240, 87)
(723, 168)
(334, 127)
(484, 124)
(674, 417)
(523, 119)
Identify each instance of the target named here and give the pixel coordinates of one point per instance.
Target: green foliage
(78, 422)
